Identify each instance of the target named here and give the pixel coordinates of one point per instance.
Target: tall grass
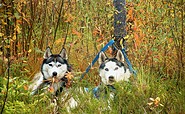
(130, 97)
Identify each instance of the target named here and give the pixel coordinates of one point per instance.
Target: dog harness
(102, 91)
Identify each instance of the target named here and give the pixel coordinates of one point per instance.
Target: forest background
(155, 42)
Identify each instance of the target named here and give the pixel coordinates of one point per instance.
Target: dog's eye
(106, 69)
(50, 65)
(116, 68)
(59, 65)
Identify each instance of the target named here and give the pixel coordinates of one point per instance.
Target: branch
(58, 22)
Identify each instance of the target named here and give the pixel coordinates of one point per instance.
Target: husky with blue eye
(113, 70)
(52, 74)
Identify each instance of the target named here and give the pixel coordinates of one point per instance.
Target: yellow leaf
(24, 61)
(157, 99)
(161, 105)
(1, 34)
(152, 99)
(3, 23)
(29, 50)
(126, 37)
(18, 29)
(150, 103)
(110, 16)
(14, 37)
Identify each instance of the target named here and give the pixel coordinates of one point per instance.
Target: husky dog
(53, 70)
(113, 70)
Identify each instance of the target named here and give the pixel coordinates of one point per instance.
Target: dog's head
(54, 65)
(112, 69)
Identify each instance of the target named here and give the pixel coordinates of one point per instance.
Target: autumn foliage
(155, 36)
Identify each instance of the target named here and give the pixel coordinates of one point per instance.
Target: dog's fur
(113, 70)
(54, 66)
(53, 75)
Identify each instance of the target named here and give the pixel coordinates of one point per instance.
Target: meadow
(155, 47)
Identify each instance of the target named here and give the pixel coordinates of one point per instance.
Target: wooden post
(119, 22)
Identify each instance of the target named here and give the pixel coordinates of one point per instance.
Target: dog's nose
(54, 74)
(111, 78)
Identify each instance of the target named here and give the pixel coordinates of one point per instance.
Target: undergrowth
(146, 93)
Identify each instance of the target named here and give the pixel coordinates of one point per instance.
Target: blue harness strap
(128, 62)
(111, 42)
(96, 58)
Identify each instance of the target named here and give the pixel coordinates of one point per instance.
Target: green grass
(130, 97)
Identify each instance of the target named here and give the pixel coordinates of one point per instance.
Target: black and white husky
(53, 70)
(53, 76)
(113, 70)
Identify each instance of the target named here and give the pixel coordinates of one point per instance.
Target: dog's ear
(102, 57)
(63, 53)
(47, 53)
(120, 56)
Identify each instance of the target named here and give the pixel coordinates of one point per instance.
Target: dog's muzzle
(111, 79)
(54, 74)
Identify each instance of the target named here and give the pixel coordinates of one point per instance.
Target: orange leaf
(170, 40)
(130, 14)
(99, 39)
(59, 41)
(70, 18)
(69, 76)
(95, 32)
(25, 87)
(137, 40)
(75, 32)
(51, 89)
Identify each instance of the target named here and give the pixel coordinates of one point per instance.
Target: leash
(96, 58)
(111, 42)
(128, 62)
